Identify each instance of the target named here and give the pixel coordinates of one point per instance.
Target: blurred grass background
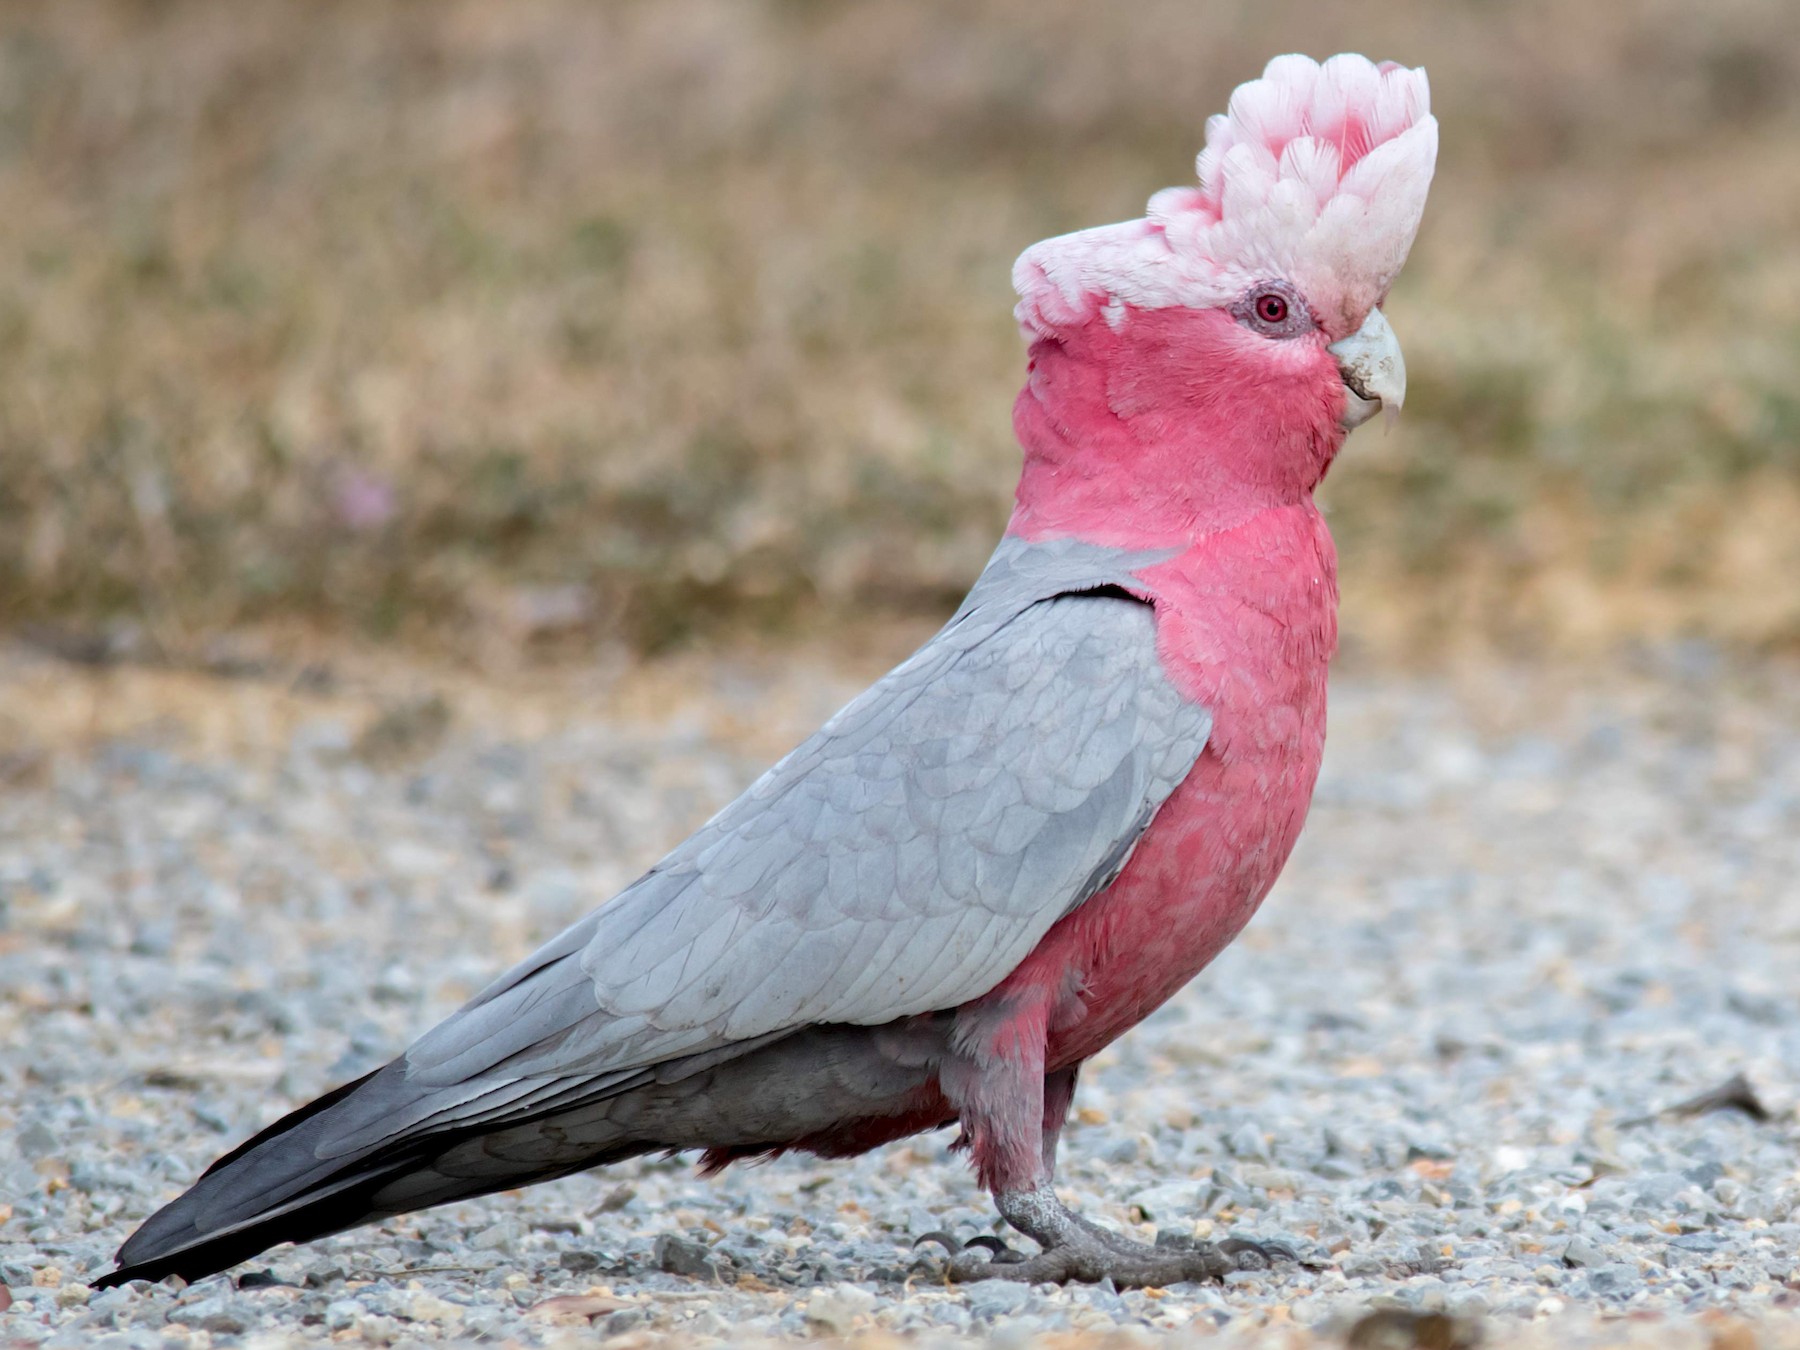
(552, 323)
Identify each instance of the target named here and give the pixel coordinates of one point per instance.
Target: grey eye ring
(1273, 308)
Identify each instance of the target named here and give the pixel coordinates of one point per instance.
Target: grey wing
(924, 845)
(906, 858)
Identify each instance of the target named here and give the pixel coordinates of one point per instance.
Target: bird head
(1239, 317)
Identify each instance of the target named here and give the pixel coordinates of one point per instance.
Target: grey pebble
(681, 1257)
(835, 1310)
(1580, 1251)
(499, 1237)
(997, 1298)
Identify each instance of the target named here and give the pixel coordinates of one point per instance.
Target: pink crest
(1316, 174)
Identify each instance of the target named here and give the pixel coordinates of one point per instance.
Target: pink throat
(1170, 425)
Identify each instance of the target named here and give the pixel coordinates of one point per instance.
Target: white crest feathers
(1316, 174)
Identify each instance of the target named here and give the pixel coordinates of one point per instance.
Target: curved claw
(943, 1239)
(998, 1246)
(1001, 1262)
(999, 1252)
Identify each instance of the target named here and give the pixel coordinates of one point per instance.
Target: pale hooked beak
(1374, 371)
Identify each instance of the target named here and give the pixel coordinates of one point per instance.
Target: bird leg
(1077, 1248)
(1012, 1114)
(1059, 1095)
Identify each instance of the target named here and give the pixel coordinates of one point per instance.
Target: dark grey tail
(269, 1189)
(170, 1241)
(276, 1188)
(387, 1145)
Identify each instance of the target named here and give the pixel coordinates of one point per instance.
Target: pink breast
(1246, 625)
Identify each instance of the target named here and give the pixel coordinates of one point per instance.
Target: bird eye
(1274, 309)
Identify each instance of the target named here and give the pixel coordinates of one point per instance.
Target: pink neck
(1172, 426)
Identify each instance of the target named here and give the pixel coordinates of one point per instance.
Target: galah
(1029, 834)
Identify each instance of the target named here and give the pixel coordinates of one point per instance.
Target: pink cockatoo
(1026, 837)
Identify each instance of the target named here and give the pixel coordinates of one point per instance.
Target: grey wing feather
(904, 859)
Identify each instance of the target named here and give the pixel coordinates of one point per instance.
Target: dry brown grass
(481, 321)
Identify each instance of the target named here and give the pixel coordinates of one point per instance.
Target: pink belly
(1198, 875)
(1246, 626)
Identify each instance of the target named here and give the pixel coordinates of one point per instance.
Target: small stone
(1615, 1279)
(1467, 1305)
(624, 1320)
(997, 1298)
(1170, 1201)
(112, 1300)
(1582, 1252)
(1247, 1141)
(706, 1323)
(486, 1324)
(1428, 1148)
(424, 1307)
(1018, 1333)
(36, 1140)
(1427, 1293)
(578, 1262)
(1695, 1242)
(568, 1307)
(1655, 1191)
(380, 1330)
(836, 1309)
(1704, 1174)
(498, 1238)
(678, 1256)
(1104, 1298)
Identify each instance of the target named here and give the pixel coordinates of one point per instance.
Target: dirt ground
(1534, 910)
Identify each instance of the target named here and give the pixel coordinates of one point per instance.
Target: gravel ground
(1532, 912)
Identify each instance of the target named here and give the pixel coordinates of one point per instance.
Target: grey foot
(1076, 1249)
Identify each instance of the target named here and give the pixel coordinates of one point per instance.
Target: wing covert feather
(903, 859)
